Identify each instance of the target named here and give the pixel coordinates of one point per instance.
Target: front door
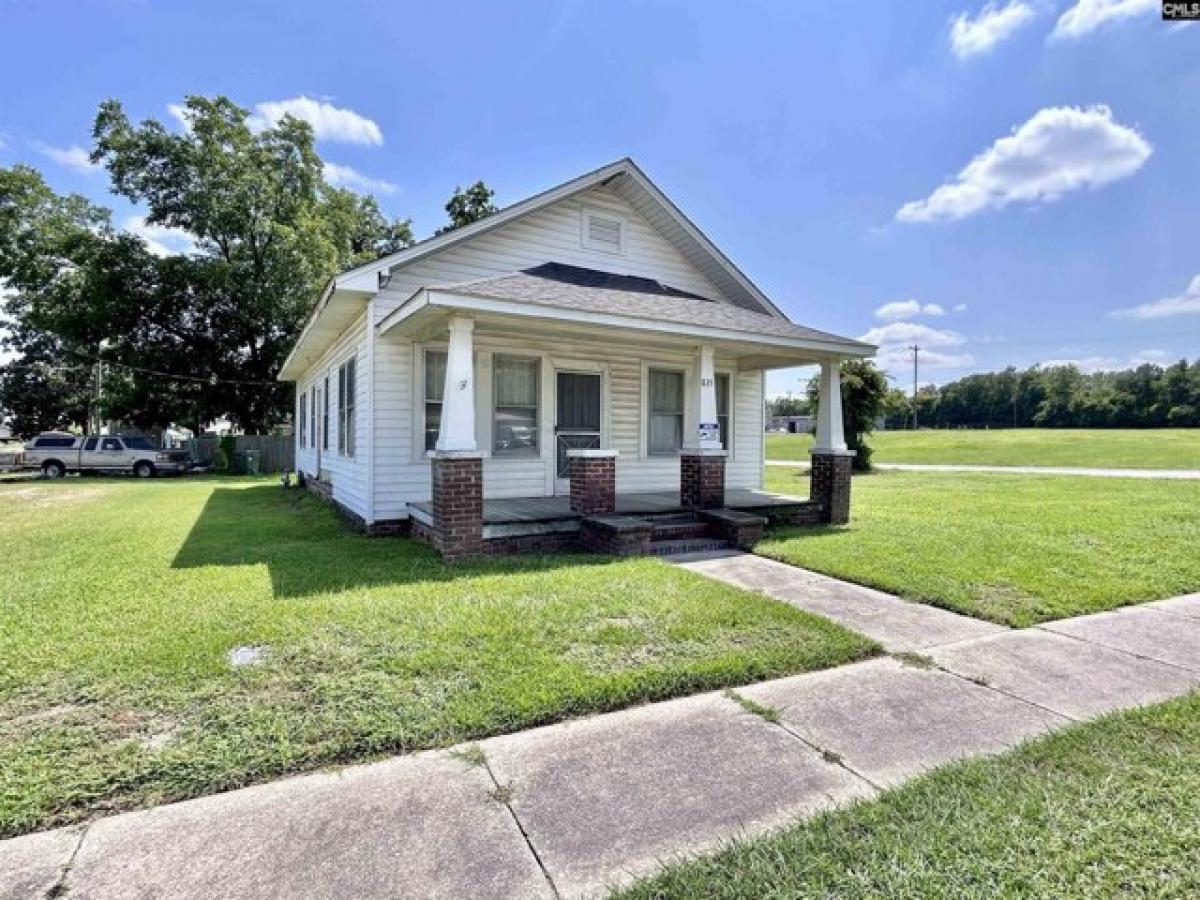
(577, 426)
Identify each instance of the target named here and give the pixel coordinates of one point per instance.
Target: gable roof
(631, 184)
(345, 294)
(564, 287)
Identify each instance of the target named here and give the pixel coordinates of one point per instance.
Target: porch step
(681, 530)
(686, 545)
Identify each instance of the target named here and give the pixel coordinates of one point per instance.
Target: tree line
(97, 316)
(1148, 396)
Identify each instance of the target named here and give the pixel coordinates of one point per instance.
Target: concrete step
(682, 530)
(686, 545)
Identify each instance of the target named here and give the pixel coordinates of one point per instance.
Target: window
(515, 422)
(111, 445)
(325, 417)
(723, 410)
(89, 445)
(138, 442)
(666, 412)
(312, 418)
(601, 232)
(435, 384)
(346, 399)
(54, 442)
(302, 418)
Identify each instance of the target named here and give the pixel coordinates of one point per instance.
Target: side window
(723, 410)
(89, 445)
(515, 426)
(347, 390)
(325, 416)
(435, 385)
(302, 420)
(111, 445)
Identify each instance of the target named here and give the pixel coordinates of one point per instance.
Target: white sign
(709, 431)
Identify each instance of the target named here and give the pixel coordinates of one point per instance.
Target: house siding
(348, 475)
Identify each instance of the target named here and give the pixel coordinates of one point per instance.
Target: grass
(1107, 809)
(1014, 549)
(1164, 448)
(123, 599)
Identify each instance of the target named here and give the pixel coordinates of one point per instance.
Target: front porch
(557, 413)
(655, 522)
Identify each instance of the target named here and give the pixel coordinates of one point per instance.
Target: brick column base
(593, 482)
(702, 479)
(830, 485)
(457, 504)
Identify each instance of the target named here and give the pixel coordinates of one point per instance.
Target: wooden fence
(276, 452)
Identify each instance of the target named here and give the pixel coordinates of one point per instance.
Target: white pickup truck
(57, 453)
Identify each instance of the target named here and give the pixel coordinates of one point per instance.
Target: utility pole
(916, 350)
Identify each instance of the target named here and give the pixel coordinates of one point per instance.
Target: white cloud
(961, 307)
(73, 157)
(1089, 364)
(993, 24)
(179, 113)
(1059, 150)
(906, 309)
(160, 240)
(1185, 304)
(329, 122)
(1087, 15)
(344, 176)
(940, 348)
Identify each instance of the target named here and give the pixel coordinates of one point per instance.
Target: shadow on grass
(308, 550)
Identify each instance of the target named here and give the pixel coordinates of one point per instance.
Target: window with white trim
(723, 410)
(665, 412)
(346, 400)
(516, 389)
(325, 417)
(601, 231)
(435, 386)
(312, 417)
(302, 420)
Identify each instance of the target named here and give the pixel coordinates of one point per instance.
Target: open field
(124, 598)
(1107, 809)
(1162, 448)
(1014, 549)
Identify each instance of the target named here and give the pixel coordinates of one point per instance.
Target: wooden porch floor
(549, 509)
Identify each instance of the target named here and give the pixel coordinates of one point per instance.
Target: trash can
(250, 461)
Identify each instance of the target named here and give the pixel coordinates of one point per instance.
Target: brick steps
(686, 545)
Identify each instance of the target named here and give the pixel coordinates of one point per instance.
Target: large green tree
(469, 205)
(187, 337)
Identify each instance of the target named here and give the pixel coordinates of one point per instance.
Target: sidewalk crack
(59, 888)
(503, 794)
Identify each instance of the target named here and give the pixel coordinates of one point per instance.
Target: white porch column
(457, 431)
(830, 434)
(708, 436)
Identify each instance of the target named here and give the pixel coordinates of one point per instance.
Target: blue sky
(992, 181)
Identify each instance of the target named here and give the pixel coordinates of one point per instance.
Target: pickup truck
(56, 454)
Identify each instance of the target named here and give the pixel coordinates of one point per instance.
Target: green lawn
(122, 599)
(1107, 809)
(1015, 549)
(1164, 448)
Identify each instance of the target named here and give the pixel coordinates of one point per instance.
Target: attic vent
(602, 232)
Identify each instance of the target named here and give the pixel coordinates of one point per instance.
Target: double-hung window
(312, 418)
(302, 420)
(435, 385)
(346, 399)
(723, 411)
(325, 417)
(665, 409)
(515, 381)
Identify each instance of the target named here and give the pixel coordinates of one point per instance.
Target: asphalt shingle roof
(587, 290)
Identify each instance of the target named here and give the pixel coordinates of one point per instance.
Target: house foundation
(830, 484)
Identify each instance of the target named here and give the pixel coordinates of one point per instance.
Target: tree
(864, 389)
(470, 205)
(187, 337)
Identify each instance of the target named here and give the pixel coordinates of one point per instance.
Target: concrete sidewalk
(570, 810)
(1172, 474)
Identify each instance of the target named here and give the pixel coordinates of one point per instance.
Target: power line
(916, 351)
(94, 360)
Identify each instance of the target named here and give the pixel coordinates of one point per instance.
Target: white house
(592, 321)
